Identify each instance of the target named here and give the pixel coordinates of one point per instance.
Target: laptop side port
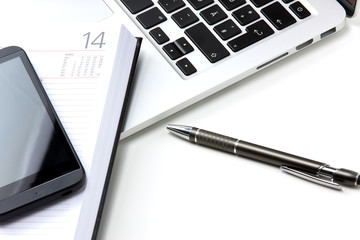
(328, 32)
(305, 44)
(272, 61)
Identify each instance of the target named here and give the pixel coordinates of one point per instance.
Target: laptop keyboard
(217, 29)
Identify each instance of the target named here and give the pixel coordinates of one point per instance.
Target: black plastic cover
(349, 6)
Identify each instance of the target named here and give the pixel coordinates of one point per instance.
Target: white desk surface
(308, 104)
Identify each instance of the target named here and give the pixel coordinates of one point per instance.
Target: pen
(304, 168)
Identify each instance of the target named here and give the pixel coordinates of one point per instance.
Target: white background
(308, 104)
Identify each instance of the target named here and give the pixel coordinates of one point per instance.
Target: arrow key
(186, 66)
(172, 51)
(183, 45)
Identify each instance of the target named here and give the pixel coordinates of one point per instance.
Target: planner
(86, 69)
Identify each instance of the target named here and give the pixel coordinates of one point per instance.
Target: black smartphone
(38, 163)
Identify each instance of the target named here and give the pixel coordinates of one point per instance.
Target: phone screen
(31, 149)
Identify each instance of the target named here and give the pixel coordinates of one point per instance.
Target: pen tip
(180, 130)
(175, 126)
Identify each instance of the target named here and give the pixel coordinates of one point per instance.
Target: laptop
(194, 48)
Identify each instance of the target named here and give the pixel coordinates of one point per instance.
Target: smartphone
(38, 163)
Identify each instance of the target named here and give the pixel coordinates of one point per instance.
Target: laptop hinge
(349, 6)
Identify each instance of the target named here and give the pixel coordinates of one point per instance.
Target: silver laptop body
(162, 86)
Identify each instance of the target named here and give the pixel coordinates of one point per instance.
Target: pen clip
(311, 178)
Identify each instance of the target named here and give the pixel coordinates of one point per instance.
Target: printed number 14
(99, 40)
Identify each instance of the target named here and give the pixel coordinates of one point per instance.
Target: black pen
(311, 170)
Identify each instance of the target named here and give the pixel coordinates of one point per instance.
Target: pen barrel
(277, 158)
(253, 151)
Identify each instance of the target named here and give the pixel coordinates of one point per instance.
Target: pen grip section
(212, 140)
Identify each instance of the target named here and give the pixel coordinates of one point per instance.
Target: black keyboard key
(245, 15)
(186, 66)
(159, 35)
(198, 4)
(278, 16)
(255, 33)
(232, 4)
(300, 10)
(151, 18)
(207, 42)
(172, 51)
(260, 3)
(287, 1)
(227, 29)
(183, 45)
(184, 18)
(136, 6)
(171, 5)
(213, 14)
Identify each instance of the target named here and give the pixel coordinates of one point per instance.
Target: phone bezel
(49, 184)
